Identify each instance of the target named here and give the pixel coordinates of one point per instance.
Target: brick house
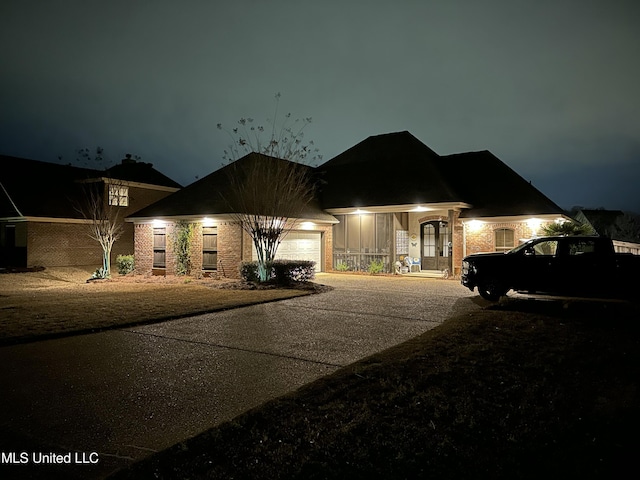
(389, 198)
(40, 224)
(220, 244)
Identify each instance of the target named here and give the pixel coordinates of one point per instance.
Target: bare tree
(271, 186)
(101, 203)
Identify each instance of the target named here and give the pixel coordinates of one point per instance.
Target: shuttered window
(159, 247)
(209, 248)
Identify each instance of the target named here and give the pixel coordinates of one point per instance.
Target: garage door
(300, 246)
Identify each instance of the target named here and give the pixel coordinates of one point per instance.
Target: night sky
(550, 87)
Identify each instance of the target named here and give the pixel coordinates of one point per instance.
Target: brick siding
(482, 239)
(143, 252)
(54, 244)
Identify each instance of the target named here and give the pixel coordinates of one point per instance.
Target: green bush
(182, 239)
(376, 266)
(249, 271)
(283, 272)
(567, 228)
(125, 264)
(342, 266)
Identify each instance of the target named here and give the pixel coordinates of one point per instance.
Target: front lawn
(57, 302)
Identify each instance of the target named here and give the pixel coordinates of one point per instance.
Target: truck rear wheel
(492, 290)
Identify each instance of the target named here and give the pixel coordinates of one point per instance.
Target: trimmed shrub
(125, 264)
(287, 271)
(376, 266)
(249, 271)
(342, 266)
(283, 272)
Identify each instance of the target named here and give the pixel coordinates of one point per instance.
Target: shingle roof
(493, 188)
(390, 169)
(602, 221)
(140, 172)
(211, 196)
(40, 189)
(398, 169)
(33, 188)
(385, 170)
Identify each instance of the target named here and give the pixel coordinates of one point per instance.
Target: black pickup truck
(585, 266)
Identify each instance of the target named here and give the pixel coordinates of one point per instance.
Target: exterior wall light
(158, 223)
(534, 225)
(307, 225)
(474, 225)
(208, 222)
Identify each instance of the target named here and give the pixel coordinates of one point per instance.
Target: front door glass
(435, 245)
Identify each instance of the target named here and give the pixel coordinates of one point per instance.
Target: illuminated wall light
(159, 223)
(474, 225)
(360, 212)
(208, 222)
(534, 225)
(307, 225)
(420, 208)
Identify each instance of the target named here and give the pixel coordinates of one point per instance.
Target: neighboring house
(620, 227)
(40, 221)
(387, 198)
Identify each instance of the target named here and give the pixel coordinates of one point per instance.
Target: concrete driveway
(120, 395)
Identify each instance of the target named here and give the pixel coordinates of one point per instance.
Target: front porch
(429, 274)
(418, 240)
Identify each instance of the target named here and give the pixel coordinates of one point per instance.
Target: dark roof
(40, 189)
(493, 188)
(384, 170)
(211, 195)
(604, 222)
(390, 169)
(33, 188)
(140, 172)
(398, 169)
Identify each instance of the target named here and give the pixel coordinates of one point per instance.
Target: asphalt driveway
(119, 395)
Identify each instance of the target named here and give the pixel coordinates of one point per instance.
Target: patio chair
(412, 262)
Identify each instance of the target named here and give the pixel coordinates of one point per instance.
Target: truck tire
(492, 290)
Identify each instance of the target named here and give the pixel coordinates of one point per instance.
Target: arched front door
(435, 245)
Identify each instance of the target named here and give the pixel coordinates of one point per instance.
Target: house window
(209, 248)
(118, 195)
(504, 239)
(159, 247)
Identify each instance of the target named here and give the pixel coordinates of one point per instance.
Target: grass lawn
(59, 301)
(520, 390)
